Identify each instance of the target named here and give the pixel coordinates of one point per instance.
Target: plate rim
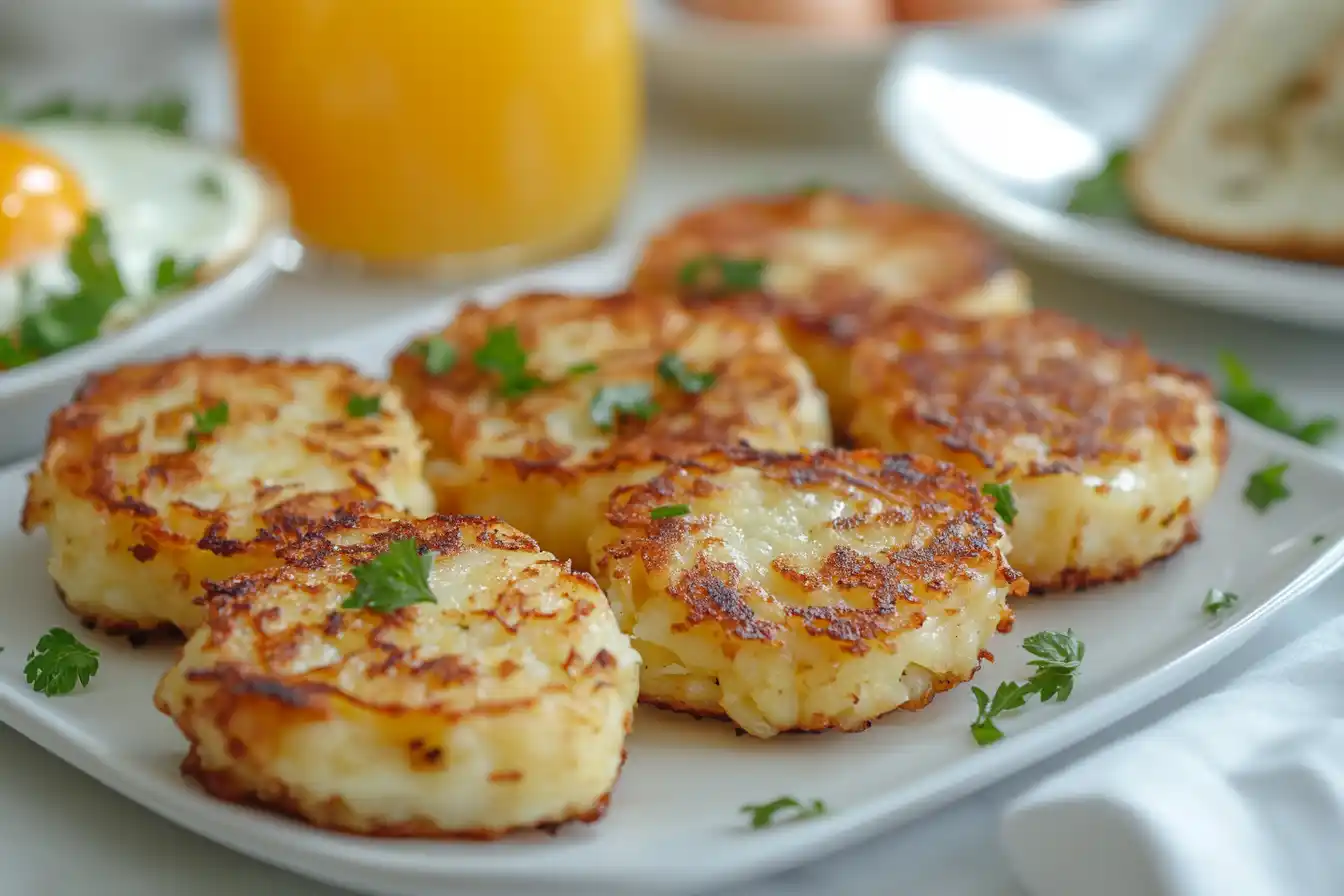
(1186, 272)
(366, 863)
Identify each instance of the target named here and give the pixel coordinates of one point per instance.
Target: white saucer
(1002, 122)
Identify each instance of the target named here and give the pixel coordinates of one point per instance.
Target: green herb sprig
(784, 809)
(1058, 658)
(1241, 393)
(396, 578)
(59, 662)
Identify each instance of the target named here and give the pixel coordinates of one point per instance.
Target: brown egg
(950, 10)
(831, 16)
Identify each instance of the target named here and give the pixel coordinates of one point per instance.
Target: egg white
(146, 186)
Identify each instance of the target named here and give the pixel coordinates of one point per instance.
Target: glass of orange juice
(441, 135)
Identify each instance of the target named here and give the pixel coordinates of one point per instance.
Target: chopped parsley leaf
(1217, 602)
(766, 814)
(210, 185)
(1266, 487)
(58, 662)
(667, 511)
(1241, 393)
(1004, 503)
(503, 354)
(627, 399)
(398, 577)
(363, 405)
(438, 354)
(718, 274)
(173, 274)
(1058, 658)
(207, 421)
(1104, 194)
(161, 113)
(673, 370)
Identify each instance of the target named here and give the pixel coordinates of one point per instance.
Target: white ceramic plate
(1001, 122)
(674, 824)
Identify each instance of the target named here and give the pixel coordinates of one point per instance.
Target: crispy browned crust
(955, 257)
(255, 695)
(980, 384)
(822, 724)
(1072, 580)
(331, 553)
(1294, 247)
(452, 407)
(912, 489)
(337, 814)
(82, 451)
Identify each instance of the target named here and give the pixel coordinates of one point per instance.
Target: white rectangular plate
(675, 824)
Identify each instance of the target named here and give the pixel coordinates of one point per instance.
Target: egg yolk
(42, 202)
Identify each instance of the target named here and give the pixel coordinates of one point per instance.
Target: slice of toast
(1248, 151)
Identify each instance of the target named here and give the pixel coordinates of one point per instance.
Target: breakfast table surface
(63, 833)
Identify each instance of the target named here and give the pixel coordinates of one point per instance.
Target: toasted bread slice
(1248, 152)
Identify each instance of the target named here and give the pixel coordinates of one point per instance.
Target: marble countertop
(61, 832)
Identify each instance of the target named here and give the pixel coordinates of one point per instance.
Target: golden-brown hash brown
(833, 264)
(541, 459)
(137, 517)
(1109, 453)
(501, 705)
(804, 592)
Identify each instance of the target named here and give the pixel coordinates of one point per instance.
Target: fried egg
(156, 195)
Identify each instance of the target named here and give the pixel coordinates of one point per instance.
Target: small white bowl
(29, 394)
(747, 77)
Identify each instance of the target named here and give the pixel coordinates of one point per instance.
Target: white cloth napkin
(1238, 794)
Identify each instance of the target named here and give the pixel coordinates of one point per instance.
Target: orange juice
(414, 130)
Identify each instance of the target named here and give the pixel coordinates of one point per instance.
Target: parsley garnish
(1266, 488)
(59, 661)
(11, 355)
(503, 354)
(627, 399)
(172, 274)
(363, 405)
(209, 185)
(1242, 394)
(1317, 539)
(162, 113)
(1103, 194)
(581, 369)
(669, 510)
(763, 815)
(396, 578)
(62, 321)
(1058, 656)
(1217, 602)
(1004, 504)
(438, 354)
(715, 273)
(673, 370)
(206, 422)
